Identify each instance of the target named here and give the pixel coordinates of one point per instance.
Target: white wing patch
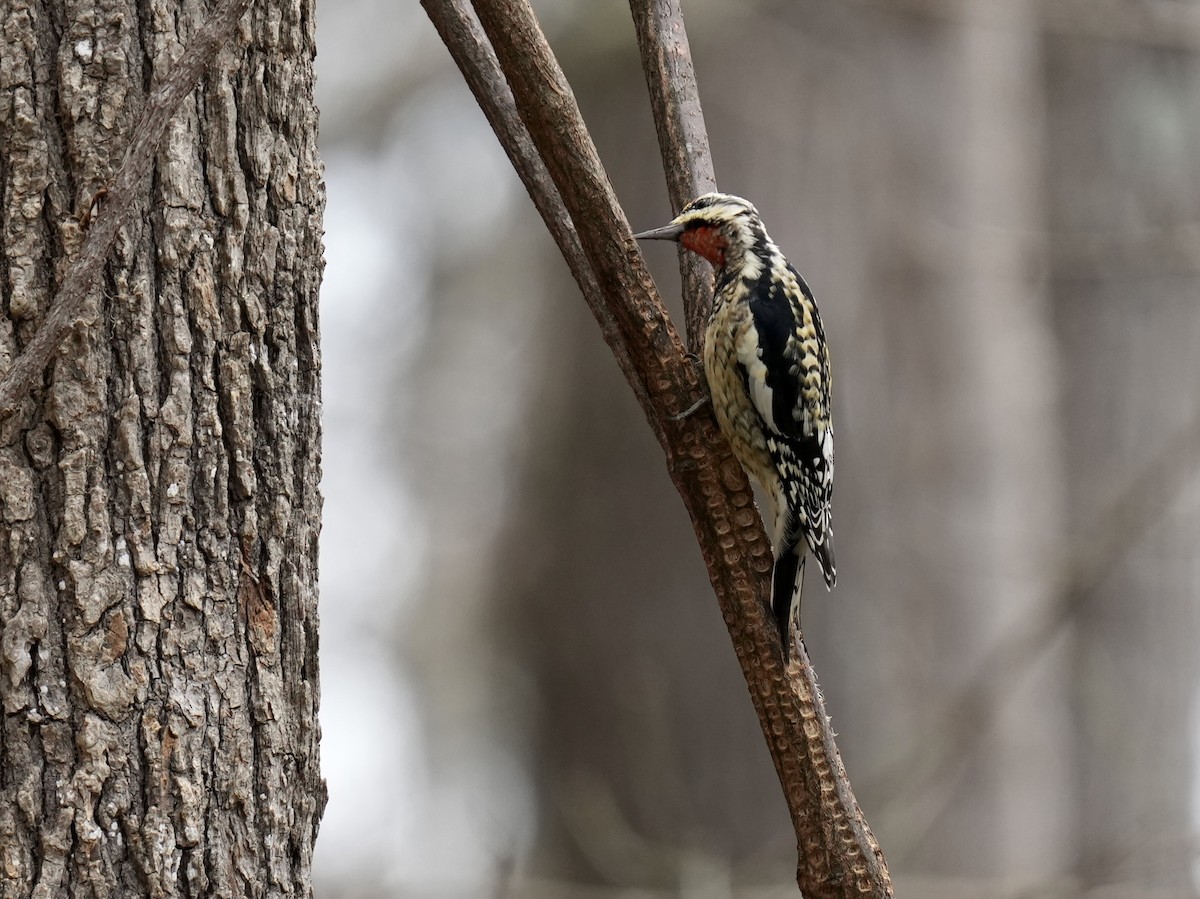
(827, 452)
(760, 392)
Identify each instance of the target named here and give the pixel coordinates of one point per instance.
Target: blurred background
(528, 690)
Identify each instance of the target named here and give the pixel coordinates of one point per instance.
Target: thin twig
(547, 107)
(122, 198)
(839, 858)
(474, 57)
(682, 137)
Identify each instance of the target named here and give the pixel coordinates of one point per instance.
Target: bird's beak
(666, 232)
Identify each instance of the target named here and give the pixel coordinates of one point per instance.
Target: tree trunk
(1125, 284)
(158, 495)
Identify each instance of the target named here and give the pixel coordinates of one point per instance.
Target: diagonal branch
(121, 201)
(838, 855)
(473, 55)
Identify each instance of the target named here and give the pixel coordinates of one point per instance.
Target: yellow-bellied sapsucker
(768, 370)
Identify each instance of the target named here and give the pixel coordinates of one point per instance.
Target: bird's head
(719, 227)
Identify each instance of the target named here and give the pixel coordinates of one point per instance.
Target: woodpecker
(767, 367)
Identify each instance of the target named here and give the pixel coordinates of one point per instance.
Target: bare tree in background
(158, 488)
(1125, 191)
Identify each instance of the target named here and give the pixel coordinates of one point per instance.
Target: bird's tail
(823, 553)
(786, 581)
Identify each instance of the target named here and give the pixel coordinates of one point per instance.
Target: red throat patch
(707, 242)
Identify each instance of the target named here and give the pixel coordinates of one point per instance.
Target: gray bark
(158, 496)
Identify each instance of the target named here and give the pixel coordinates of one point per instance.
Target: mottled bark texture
(158, 491)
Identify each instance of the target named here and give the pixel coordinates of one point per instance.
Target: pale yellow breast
(735, 412)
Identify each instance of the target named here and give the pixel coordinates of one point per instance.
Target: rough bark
(158, 490)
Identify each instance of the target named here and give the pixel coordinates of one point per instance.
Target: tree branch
(687, 163)
(120, 203)
(838, 856)
(682, 138)
(473, 55)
